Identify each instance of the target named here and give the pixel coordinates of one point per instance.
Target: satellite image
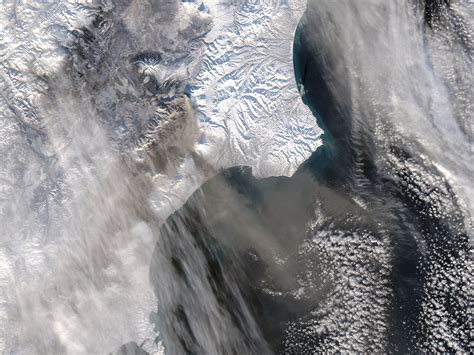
(236, 177)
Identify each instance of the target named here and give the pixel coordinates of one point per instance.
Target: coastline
(320, 160)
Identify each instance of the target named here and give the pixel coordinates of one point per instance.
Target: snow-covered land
(246, 94)
(111, 114)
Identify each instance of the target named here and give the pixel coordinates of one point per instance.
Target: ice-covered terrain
(111, 114)
(245, 93)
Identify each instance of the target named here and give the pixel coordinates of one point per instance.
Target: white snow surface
(246, 92)
(77, 223)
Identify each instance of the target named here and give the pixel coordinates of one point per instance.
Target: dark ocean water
(365, 249)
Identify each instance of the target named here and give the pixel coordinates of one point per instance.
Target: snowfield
(248, 103)
(112, 114)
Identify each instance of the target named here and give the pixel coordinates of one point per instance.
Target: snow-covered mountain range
(112, 114)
